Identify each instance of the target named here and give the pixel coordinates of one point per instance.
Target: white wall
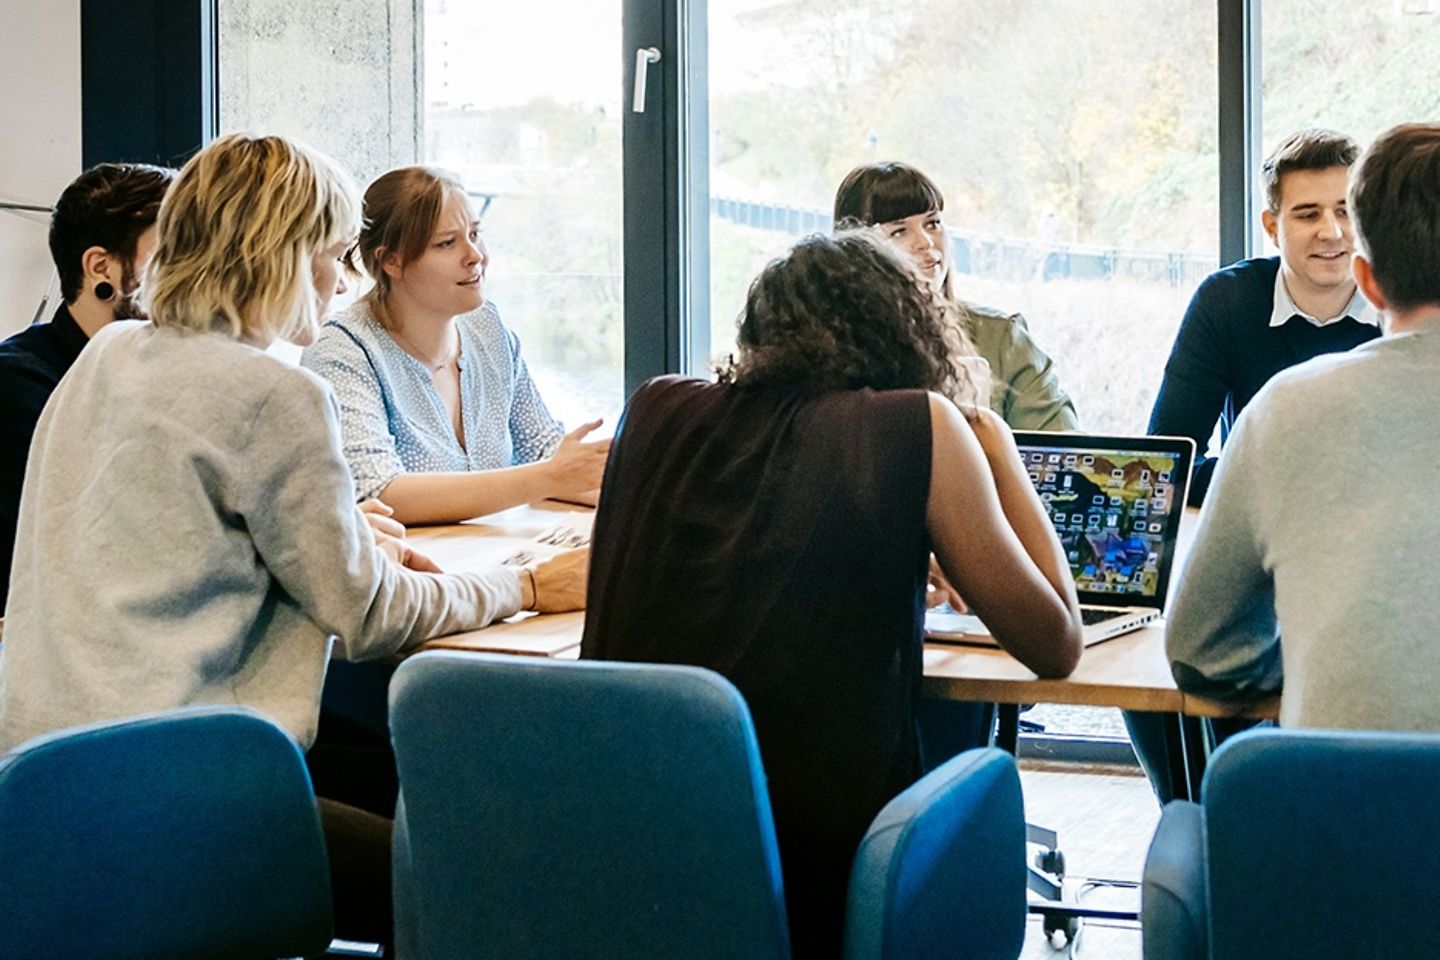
(39, 143)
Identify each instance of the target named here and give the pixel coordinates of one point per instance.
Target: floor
(1105, 817)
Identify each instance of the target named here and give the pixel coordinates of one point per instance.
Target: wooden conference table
(1130, 671)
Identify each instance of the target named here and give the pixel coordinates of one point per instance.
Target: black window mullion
(1239, 141)
(149, 97)
(666, 197)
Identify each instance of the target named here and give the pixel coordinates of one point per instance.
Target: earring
(104, 291)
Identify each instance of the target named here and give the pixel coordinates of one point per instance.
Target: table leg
(1177, 766)
(1197, 752)
(1007, 733)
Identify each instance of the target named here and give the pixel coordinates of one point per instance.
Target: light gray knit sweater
(1325, 515)
(188, 535)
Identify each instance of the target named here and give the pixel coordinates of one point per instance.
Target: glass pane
(1075, 144)
(523, 101)
(1316, 53)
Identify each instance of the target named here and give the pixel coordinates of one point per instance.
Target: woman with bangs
(907, 207)
(777, 525)
(189, 533)
(438, 412)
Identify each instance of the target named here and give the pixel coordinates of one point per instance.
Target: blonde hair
(236, 234)
(401, 210)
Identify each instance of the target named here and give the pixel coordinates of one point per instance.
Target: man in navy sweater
(1255, 318)
(1252, 320)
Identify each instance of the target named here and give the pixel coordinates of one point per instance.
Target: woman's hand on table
(389, 535)
(381, 518)
(405, 555)
(576, 467)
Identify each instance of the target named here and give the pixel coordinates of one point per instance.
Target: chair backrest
(187, 834)
(580, 809)
(1319, 845)
(941, 872)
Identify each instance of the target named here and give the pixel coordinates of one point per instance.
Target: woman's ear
(390, 263)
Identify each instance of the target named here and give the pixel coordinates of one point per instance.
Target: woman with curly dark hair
(776, 526)
(908, 209)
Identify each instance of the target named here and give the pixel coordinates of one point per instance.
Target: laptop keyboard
(1090, 615)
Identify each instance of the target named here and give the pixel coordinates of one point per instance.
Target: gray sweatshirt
(188, 535)
(1323, 523)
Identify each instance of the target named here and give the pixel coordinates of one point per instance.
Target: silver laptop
(1116, 504)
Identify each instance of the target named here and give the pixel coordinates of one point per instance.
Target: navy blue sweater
(31, 364)
(1225, 352)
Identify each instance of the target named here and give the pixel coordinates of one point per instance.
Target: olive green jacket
(1026, 391)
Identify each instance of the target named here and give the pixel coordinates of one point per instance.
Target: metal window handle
(643, 58)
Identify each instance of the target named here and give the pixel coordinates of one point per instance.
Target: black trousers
(353, 770)
(1147, 737)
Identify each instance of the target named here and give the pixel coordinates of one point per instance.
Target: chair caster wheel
(1067, 927)
(1051, 862)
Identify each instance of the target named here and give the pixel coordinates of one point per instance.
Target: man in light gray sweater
(1322, 522)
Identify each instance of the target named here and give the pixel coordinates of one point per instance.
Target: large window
(523, 101)
(526, 114)
(1075, 143)
(1359, 68)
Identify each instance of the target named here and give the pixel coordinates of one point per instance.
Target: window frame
(155, 99)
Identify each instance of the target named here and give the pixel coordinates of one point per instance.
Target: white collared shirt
(1358, 309)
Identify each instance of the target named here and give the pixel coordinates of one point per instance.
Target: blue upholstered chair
(589, 809)
(579, 809)
(1306, 844)
(941, 872)
(187, 834)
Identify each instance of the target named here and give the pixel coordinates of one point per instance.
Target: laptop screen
(1116, 504)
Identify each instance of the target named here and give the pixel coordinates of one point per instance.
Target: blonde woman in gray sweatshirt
(188, 531)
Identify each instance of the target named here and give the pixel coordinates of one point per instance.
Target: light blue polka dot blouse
(393, 421)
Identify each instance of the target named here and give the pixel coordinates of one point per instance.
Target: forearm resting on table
(422, 498)
(995, 543)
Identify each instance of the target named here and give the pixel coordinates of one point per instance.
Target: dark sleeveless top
(780, 539)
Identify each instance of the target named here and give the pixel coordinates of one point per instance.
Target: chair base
(1059, 904)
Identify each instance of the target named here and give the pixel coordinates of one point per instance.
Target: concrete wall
(39, 144)
(348, 85)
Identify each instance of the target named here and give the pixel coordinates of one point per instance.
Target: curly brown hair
(846, 312)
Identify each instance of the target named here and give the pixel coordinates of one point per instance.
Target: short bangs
(884, 192)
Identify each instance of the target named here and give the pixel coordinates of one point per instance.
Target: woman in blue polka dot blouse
(438, 413)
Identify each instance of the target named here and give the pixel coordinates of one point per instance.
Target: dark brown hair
(843, 313)
(1395, 205)
(107, 206)
(1313, 148)
(884, 192)
(400, 211)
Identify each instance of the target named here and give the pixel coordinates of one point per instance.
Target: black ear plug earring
(104, 291)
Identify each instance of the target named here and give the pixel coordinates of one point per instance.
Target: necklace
(447, 358)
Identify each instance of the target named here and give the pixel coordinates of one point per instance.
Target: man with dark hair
(101, 235)
(1323, 524)
(1254, 318)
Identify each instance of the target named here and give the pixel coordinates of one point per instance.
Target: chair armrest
(942, 868)
(1173, 912)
